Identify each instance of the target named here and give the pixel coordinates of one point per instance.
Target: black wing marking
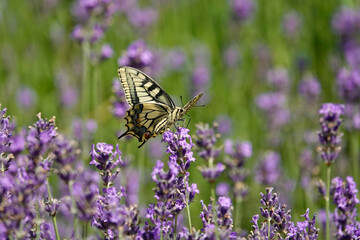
(140, 88)
(145, 121)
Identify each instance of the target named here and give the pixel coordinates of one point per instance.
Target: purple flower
(142, 18)
(348, 82)
(210, 174)
(268, 171)
(179, 147)
(66, 153)
(5, 140)
(120, 105)
(85, 192)
(223, 211)
(222, 189)
(105, 159)
(243, 9)
(41, 136)
(173, 191)
(206, 138)
(106, 51)
(270, 101)
(231, 56)
(224, 124)
(291, 24)
(279, 78)
(238, 153)
(280, 221)
(85, 11)
(52, 206)
(345, 199)
(45, 232)
(346, 21)
(26, 97)
(114, 218)
(138, 55)
(329, 138)
(175, 59)
(309, 88)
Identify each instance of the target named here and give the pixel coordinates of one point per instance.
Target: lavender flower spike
(105, 159)
(329, 137)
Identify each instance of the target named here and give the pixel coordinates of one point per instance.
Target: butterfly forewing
(140, 88)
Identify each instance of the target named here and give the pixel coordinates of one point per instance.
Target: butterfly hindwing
(140, 88)
(146, 120)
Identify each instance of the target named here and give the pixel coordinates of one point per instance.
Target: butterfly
(152, 111)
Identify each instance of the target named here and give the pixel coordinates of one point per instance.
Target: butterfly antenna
(182, 104)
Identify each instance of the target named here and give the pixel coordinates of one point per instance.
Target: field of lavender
(271, 151)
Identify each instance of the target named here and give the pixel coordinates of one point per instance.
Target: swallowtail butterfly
(152, 111)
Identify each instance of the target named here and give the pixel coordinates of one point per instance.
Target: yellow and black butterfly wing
(146, 120)
(140, 88)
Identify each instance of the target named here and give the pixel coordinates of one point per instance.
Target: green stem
(97, 97)
(54, 216)
(238, 214)
(85, 79)
(85, 229)
(161, 231)
(327, 202)
(355, 155)
(175, 227)
(214, 211)
(189, 216)
(269, 225)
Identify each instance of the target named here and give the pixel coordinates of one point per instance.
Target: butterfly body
(152, 111)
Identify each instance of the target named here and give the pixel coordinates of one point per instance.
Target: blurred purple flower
(211, 173)
(310, 88)
(291, 24)
(206, 138)
(69, 96)
(279, 78)
(85, 193)
(223, 211)
(132, 187)
(346, 21)
(270, 101)
(345, 199)
(142, 18)
(222, 189)
(120, 105)
(330, 121)
(85, 11)
(238, 153)
(26, 97)
(224, 124)
(352, 55)
(82, 130)
(243, 9)
(139, 56)
(106, 51)
(45, 232)
(231, 56)
(66, 153)
(348, 82)
(113, 218)
(175, 59)
(268, 170)
(156, 149)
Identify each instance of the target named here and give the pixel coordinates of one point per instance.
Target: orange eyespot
(147, 135)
